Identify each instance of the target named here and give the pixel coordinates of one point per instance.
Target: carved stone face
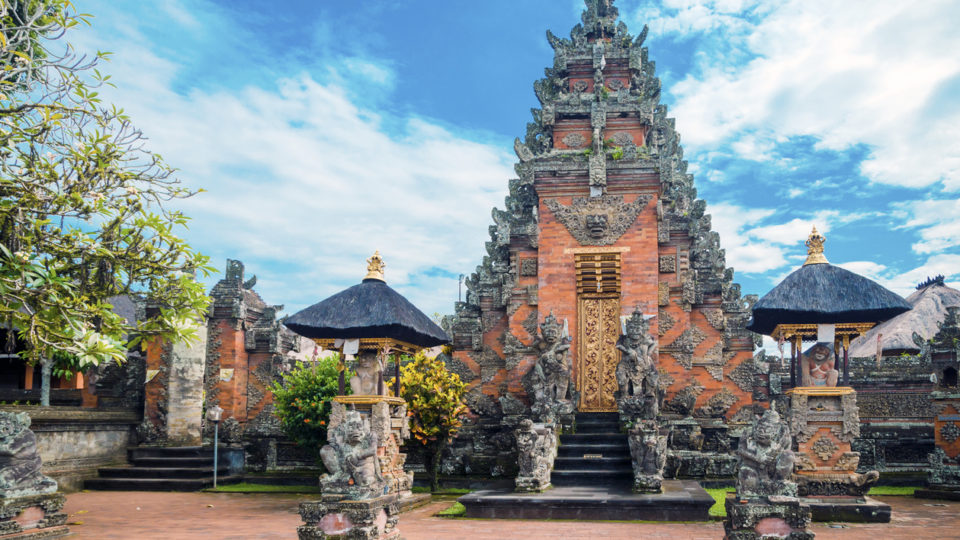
(766, 431)
(551, 332)
(820, 353)
(596, 225)
(635, 330)
(354, 431)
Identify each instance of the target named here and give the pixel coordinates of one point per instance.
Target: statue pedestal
(648, 455)
(33, 516)
(778, 517)
(329, 518)
(824, 421)
(943, 477)
(536, 451)
(388, 420)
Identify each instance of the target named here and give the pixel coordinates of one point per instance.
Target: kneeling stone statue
(537, 448)
(766, 461)
(351, 460)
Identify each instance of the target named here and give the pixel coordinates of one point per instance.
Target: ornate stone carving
(648, 454)
(536, 450)
(20, 463)
(528, 266)
(665, 322)
(619, 217)
(622, 138)
(715, 317)
(682, 348)
(580, 86)
(668, 263)
(574, 140)
(548, 382)
(663, 294)
(717, 405)
(639, 393)
(351, 460)
(683, 401)
(949, 432)
(766, 461)
(742, 376)
(615, 84)
(824, 448)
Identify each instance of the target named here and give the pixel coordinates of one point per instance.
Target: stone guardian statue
(765, 460)
(639, 394)
(351, 460)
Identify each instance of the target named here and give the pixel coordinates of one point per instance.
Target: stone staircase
(596, 455)
(187, 468)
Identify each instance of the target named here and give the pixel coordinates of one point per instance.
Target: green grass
(906, 491)
(719, 495)
(244, 487)
(455, 510)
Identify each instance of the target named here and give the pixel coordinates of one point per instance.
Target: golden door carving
(597, 358)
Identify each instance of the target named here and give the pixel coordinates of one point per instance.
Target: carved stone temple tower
(603, 219)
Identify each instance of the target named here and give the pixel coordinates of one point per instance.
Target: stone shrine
(602, 219)
(30, 506)
(943, 353)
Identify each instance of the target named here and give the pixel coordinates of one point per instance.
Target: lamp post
(213, 414)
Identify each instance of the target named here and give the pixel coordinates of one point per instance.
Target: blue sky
(322, 131)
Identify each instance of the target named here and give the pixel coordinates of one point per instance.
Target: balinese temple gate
(601, 221)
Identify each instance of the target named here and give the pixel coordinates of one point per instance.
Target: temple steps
(596, 455)
(188, 468)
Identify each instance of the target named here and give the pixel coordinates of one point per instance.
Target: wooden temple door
(598, 321)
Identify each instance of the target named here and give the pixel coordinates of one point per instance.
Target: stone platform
(681, 500)
(848, 509)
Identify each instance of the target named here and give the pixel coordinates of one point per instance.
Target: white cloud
(744, 254)
(938, 221)
(303, 183)
(883, 74)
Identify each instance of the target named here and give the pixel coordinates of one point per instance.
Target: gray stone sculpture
(639, 394)
(766, 461)
(648, 452)
(549, 379)
(20, 463)
(367, 377)
(537, 448)
(351, 460)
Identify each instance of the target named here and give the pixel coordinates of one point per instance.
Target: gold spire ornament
(375, 266)
(815, 248)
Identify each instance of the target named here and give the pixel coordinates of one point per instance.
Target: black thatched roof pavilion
(372, 312)
(817, 294)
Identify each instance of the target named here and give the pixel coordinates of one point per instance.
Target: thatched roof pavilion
(929, 303)
(821, 293)
(370, 311)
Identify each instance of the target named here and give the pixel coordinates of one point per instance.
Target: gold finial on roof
(815, 248)
(375, 266)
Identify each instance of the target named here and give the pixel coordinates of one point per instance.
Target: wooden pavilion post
(793, 364)
(846, 369)
(341, 379)
(799, 345)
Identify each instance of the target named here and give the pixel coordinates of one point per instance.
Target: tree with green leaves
(85, 208)
(435, 404)
(302, 401)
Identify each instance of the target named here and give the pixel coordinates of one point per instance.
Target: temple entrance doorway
(598, 321)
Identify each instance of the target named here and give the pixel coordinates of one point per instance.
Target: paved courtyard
(212, 516)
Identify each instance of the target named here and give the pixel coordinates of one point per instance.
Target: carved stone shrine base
(388, 419)
(780, 517)
(33, 516)
(824, 422)
(372, 519)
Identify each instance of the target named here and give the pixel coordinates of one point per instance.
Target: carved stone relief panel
(598, 221)
(668, 263)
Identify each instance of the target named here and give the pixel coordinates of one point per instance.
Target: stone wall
(74, 442)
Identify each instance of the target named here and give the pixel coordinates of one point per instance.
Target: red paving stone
(151, 515)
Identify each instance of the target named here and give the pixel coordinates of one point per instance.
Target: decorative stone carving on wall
(717, 405)
(668, 263)
(574, 140)
(528, 267)
(615, 84)
(663, 294)
(715, 317)
(949, 432)
(665, 322)
(684, 400)
(824, 448)
(622, 138)
(682, 348)
(742, 376)
(619, 216)
(536, 450)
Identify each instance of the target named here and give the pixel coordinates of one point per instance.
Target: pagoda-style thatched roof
(929, 307)
(821, 293)
(368, 310)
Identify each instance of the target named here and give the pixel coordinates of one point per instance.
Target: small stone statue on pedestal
(537, 448)
(766, 503)
(648, 452)
(29, 502)
(639, 393)
(366, 380)
(819, 367)
(549, 380)
(351, 460)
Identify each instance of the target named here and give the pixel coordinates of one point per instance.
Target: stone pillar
(824, 421)
(185, 392)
